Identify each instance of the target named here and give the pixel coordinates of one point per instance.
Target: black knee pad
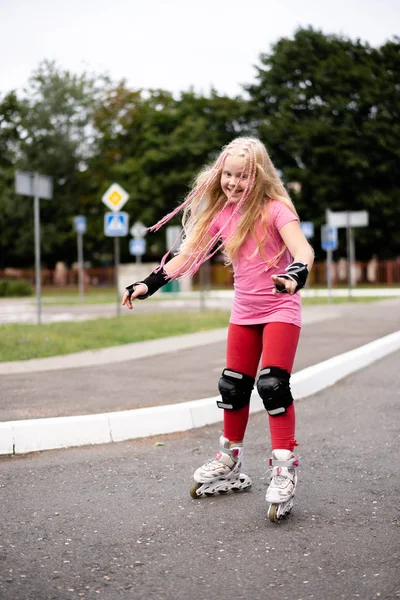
(274, 389)
(235, 389)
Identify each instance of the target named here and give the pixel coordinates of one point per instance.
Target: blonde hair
(206, 200)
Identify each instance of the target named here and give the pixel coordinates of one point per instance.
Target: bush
(9, 288)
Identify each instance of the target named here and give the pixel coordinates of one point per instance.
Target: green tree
(154, 144)
(328, 109)
(56, 139)
(12, 213)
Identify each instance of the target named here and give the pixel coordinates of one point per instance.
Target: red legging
(276, 344)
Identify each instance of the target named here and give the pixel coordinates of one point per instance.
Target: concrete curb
(32, 435)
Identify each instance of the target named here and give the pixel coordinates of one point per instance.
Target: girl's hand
(127, 298)
(288, 284)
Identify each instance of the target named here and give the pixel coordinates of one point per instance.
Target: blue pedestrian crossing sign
(307, 228)
(80, 224)
(329, 237)
(137, 246)
(116, 224)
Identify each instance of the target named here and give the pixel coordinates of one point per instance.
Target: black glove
(153, 283)
(298, 272)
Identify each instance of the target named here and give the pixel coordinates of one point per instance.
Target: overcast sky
(173, 44)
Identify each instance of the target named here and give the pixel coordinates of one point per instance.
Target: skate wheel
(193, 490)
(273, 513)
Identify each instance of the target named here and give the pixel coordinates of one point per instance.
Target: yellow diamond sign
(115, 197)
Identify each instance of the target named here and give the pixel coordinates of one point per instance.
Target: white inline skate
(222, 473)
(282, 488)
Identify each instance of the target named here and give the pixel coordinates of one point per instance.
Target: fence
(373, 272)
(96, 277)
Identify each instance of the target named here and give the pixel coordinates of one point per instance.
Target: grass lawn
(21, 342)
(70, 295)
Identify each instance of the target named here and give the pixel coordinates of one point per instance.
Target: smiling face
(234, 177)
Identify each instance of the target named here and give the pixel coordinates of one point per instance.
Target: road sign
(116, 224)
(348, 218)
(137, 246)
(172, 234)
(307, 228)
(138, 230)
(80, 224)
(329, 237)
(37, 186)
(115, 197)
(25, 185)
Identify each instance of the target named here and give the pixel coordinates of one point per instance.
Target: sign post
(80, 228)
(37, 186)
(329, 243)
(349, 219)
(173, 234)
(307, 228)
(173, 237)
(116, 226)
(137, 246)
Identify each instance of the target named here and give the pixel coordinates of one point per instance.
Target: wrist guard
(153, 283)
(296, 271)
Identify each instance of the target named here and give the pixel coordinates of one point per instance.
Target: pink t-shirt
(254, 301)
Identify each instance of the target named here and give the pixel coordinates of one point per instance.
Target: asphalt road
(179, 376)
(117, 521)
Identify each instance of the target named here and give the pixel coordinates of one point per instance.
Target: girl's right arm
(152, 283)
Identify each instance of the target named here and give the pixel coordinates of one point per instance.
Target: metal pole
(204, 281)
(348, 251)
(80, 266)
(329, 274)
(352, 252)
(116, 265)
(202, 290)
(328, 261)
(36, 210)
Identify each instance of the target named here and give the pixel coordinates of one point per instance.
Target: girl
(239, 205)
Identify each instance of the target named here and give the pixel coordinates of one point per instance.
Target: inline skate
(282, 488)
(222, 473)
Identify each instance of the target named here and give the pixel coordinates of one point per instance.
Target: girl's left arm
(299, 248)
